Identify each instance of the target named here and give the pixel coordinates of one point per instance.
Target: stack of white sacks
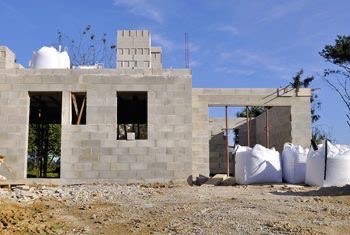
(329, 165)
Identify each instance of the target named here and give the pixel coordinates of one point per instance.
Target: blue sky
(233, 43)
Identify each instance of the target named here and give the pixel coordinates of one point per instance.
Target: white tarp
(294, 163)
(50, 58)
(328, 166)
(257, 165)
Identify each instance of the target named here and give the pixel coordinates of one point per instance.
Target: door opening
(44, 137)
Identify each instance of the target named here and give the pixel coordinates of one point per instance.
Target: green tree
(339, 55)
(298, 83)
(44, 150)
(89, 49)
(254, 111)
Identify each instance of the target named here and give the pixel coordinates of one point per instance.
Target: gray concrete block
(157, 166)
(138, 166)
(101, 166)
(127, 159)
(117, 166)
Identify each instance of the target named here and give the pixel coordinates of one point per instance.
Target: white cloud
(280, 11)
(194, 63)
(251, 60)
(192, 47)
(13, 15)
(163, 42)
(245, 63)
(235, 71)
(229, 29)
(142, 8)
(225, 55)
(254, 59)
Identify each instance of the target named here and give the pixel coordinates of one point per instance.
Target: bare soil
(175, 209)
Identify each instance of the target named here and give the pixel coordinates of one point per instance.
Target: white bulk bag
(331, 167)
(338, 166)
(294, 163)
(314, 174)
(243, 154)
(257, 165)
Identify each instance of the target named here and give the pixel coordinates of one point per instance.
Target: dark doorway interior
(44, 137)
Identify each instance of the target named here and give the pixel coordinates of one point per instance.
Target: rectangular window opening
(132, 115)
(78, 108)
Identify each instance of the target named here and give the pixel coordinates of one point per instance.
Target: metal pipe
(248, 126)
(226, 142)
(267, 128)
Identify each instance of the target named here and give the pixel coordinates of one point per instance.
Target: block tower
(134, 50)
(8, 59)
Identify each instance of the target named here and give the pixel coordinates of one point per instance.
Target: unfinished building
(138, 122)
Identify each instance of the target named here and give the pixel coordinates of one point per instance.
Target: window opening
(78, 104)
(131, 115)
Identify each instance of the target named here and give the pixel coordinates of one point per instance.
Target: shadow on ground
(322, 192)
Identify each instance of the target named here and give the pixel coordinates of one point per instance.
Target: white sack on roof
(328, 166)
(294, 163)
(257, 165)
(50, 58)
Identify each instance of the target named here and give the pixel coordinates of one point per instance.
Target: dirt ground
(175, 209)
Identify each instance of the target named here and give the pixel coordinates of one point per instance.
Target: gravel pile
(81, 193)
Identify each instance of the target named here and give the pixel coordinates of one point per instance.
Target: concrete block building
(136, 123)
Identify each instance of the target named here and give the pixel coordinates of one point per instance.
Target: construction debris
(2, 161)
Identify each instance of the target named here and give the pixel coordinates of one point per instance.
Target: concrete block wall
(279, 121)
(7, 58)
(156, 57)
(203, 98)
(14, 108)
(243, 134)
(217, 145)
(91, 152)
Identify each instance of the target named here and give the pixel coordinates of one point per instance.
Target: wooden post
(226, 142)
(267, 128)
(248, 126)
(81, 111)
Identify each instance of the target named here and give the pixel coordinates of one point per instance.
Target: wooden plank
(75, 105)
(81, 111)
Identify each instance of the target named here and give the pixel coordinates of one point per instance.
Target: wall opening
(132, 115)
(267, 126)
(78, 108)
(44, 137)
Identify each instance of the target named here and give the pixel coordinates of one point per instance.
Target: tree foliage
(254, 111)
(299, 82)
(89, 49)
(319, 135)
(339, 55)
(44, 150)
